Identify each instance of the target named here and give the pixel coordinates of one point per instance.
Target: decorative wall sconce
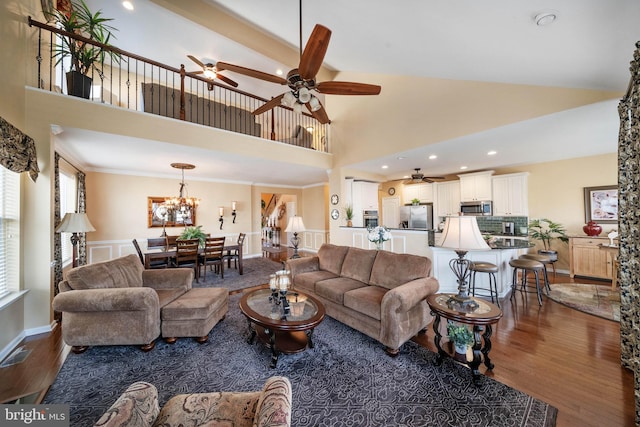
(221, 217)
(233, 211)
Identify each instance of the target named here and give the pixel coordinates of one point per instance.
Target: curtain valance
(17, 150)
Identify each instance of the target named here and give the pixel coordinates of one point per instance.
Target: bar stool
(526, 266)
(491, 270)
(545, 260)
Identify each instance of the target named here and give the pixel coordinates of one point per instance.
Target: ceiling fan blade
(250, 72)
(348, 88)
(196, 60)
(227, 80)
(320, 115)
(274, 102)
(195, 72)
(431, 179)
(314, 52)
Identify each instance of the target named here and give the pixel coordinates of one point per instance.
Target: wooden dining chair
(235, 253)
(159, 261)
(212, 255)
(187, 255)
(157, 242)
(171, 241)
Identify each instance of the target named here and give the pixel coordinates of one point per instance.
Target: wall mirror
(159, 217)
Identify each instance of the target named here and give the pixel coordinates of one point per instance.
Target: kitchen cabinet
(364, 197)
(475, 186)
(422, 192)
(447, 198)
(587, 259)
(510, 195)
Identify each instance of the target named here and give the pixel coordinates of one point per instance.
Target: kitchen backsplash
(493, 224)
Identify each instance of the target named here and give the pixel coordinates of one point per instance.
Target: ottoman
(194, 314)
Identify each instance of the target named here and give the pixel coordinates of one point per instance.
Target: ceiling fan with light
(302, 80)
(417, 177)
(210, 71)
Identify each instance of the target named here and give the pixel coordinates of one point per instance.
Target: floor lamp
(295, 226)
(461, 233)
(75, 223)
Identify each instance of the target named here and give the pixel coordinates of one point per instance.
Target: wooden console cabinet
(587, 259)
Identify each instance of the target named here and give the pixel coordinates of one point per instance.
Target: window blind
(9, 231)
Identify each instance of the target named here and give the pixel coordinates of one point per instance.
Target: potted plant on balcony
(78, 19)
(461, 337)
(546, 231)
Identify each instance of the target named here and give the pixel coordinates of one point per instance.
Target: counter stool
(526, 266)
(545, 260)
(491, 270)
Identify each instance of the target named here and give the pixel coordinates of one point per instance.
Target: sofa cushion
(137, 406)
(331, 257)
(358, 263)
(391, 270)
(166, 296)
(121, 272)
(307, 281)
(366, 300)
(334, 289)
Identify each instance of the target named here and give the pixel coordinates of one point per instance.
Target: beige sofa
(379, 293)
(119, 302)
(138, 406)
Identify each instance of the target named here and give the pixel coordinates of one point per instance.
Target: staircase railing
(142, 84)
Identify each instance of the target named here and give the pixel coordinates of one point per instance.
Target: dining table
(161, 253)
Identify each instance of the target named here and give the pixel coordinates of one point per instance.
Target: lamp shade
(462, 232)
(75, 223)
(295, 225)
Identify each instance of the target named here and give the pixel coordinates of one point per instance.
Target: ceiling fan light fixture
(209, 73)
(315, 104)
(304, 95)
(297, 108)
(288, 100)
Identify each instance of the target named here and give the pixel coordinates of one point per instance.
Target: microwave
(479, 208)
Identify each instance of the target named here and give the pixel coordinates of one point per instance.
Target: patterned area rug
(345, 380)
(593, 299)
(256, 272)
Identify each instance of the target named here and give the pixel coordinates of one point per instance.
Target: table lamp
(295, 226)
(75, 223)
(461, 233)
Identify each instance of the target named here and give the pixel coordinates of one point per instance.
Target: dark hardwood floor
(564, 357)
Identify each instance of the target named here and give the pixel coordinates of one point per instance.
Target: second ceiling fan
(302, 80)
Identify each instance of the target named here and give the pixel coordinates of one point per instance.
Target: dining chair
(187, 254)
(171, 241)
(212, 255)
(157, 242)
(156, 261)
(235, 253)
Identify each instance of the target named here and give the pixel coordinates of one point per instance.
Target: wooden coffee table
(291, 333)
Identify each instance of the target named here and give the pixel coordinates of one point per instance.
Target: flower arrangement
(378, 235)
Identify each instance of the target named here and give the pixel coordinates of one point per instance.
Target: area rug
(593, 299)
(345, 380)
(255, 271)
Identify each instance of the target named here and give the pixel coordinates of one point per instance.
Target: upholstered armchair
(117, 302)
(138, 406)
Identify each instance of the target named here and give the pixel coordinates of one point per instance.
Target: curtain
(82, 208)
(57, 241)
(629, 222)
(17, 150)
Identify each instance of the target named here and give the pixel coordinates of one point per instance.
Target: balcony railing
(142, 84)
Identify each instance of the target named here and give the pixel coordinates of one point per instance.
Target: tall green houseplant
(546, 231)
(80, 20)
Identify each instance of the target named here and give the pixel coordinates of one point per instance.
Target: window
(68, 197)
(9, 231)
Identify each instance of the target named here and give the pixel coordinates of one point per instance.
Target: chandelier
(182, 208)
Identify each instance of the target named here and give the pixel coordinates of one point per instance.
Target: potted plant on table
(194, 233)
(79, 20)
(546, 231)
(461, 337)
(348, 213)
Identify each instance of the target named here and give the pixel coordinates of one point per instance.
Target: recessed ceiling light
(433, 156)
(385, 166)
(279, 72)
(127, 5)
(400, 157)
(464, 167)
(545, 18)
(492, 153)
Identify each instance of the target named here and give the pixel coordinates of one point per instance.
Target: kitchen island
(403, 240)
(502, 251)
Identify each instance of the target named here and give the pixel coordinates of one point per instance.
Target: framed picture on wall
(601, 204)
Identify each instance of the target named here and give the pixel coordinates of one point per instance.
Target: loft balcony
(144, 85)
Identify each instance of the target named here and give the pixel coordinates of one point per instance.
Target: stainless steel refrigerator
(417, 217)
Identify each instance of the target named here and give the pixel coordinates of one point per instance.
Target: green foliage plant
(348, 211)
(193, 233)
(546, 231)
(459, 334)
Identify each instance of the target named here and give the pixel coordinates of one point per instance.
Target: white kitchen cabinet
(364, 196)
(447, 198)
(475, 186)
(422, 192)
(510, 195)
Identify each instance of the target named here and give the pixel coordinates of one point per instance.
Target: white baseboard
(9, 348)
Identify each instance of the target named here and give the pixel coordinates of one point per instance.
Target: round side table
(480, 318)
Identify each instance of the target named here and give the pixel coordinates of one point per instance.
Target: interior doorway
(276, 209)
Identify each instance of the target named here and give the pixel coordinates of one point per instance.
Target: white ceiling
(589, 46)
